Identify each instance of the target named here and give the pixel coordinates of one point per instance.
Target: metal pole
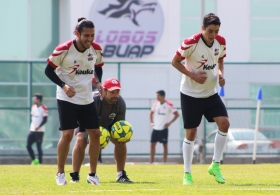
(256, 131)
(119, 71)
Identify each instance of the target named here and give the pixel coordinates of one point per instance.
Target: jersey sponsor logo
(78, 71)
(74, 68)
(209, 67)
(133, 27)
(87, 71)
(202, 62)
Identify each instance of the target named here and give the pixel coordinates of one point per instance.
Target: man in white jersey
(204, 69)
(75, 62)
(159, 117)
(39, 116)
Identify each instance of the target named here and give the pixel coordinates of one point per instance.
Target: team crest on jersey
(90, 57)
(216, 52)
(112, 116)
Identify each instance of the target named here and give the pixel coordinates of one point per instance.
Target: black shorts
(194, 108)
(72, 115)
(160, 136)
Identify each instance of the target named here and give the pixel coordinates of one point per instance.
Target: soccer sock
(91, 174)
(219, 145)
(119, 173)
(188, 147)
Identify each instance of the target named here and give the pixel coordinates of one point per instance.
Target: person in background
(39, 117)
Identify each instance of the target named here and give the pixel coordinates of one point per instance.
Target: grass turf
(148, 179)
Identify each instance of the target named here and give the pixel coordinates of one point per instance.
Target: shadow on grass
(137, 182)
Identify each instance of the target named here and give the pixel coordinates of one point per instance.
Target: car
(241, 141)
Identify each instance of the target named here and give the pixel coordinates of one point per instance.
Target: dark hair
(83, 22)
(38, 96)
(161, 92)
(211, 19)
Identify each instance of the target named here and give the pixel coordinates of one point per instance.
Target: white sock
(119, 173)
(219, 145)
(188, 147)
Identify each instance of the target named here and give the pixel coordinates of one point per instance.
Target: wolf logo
(125, 9)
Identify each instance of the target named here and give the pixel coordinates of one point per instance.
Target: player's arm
(49, 71)
(176, 62)
(44, 121)
(120, 115)
(98, 72)
(200, 77)
(176, 115)
(222, 80)
(152, 117)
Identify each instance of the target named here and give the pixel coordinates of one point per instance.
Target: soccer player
(39, 114)
(204, 69)
(76, 62)
(159, 117)
(110, 109)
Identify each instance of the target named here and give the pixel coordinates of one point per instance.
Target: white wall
(235, 19)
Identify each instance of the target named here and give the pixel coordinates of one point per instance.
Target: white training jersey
(37, 115)
(200, 57)
(76, 69)
(162, 113)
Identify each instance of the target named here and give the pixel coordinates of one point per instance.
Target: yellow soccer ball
(104, 137)
(122, 131)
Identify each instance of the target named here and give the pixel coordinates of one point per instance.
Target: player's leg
(89, 120)
(218, 113)
(192, 114)
(154, 140)
(164, 135)
(39, 140)
(120, 153)
(68, 122)
(78, 154)
(100, 156)
(30, 141)
(63, 148)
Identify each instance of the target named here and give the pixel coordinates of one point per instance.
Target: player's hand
(166, 125)
(222, 80)
(37, 128)
(101, 90)
(69, 91)
(199, 77)
(152, 124)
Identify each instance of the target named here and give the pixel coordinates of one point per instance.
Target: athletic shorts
(72, 115)
(160, 136)
(194, 108)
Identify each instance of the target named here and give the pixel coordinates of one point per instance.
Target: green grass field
(149, 179)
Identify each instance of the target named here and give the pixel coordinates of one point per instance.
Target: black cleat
(75, 177)
(123, 178)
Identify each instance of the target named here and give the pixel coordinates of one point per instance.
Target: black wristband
(62, 85)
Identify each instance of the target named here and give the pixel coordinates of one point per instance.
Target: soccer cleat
(123, 178)
(187, 179)
(35, 162)
(93, 180)
(60, 179)
(214, 169)
(75, 177)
